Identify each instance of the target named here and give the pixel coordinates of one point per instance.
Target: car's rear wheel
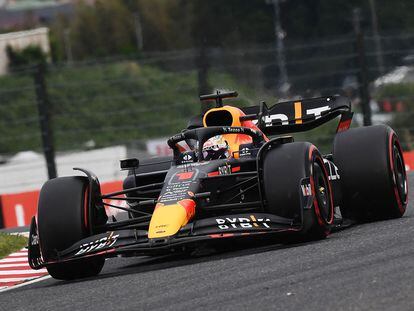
(293, 173)
(63, 220)
(372, 172)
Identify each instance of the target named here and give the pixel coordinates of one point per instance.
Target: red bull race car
(234, 175)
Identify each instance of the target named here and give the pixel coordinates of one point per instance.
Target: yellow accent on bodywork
(298, 112)
(235, 112)
(233, 140)
(167, 220)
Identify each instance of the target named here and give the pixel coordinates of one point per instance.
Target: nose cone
(167, 220)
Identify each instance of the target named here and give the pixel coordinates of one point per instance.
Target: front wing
(136, 242)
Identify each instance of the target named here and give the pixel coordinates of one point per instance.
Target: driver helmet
(216, 148)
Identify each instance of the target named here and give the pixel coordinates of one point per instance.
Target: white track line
(17, 279)
(25, 283)
(16, 259)
(11, 272)
(17, 255)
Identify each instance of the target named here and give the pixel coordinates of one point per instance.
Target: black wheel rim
(322, 192)
(400, 176)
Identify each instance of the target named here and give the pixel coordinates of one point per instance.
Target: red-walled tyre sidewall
(372, 173)
(62, 220)
(284, 167)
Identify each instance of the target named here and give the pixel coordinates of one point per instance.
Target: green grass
(10, 243)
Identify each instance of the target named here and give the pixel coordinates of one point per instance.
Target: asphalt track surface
(366, 267)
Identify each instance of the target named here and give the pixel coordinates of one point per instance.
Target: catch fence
(134, 101)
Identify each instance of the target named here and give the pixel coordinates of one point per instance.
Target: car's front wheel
(291, 173)
(63, 220)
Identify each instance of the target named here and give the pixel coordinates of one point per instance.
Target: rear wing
(299, 115)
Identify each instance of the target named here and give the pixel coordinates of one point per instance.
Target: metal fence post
(202, 63)
(363, 70)
(43, 106)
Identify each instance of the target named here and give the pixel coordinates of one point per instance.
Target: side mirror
(129, 164)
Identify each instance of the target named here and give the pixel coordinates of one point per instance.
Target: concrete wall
(27, 170)
(20, 40)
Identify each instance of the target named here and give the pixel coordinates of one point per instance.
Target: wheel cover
(322, 192)
(400, 175)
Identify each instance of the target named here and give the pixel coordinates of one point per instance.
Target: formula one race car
(227, 180)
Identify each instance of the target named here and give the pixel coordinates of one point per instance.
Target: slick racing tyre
(290, 172)
(77, 269)
(372, 173)
(62, 221)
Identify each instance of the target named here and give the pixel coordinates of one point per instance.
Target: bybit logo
(242, 222)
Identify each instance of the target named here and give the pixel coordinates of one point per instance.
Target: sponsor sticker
(187, 157)
(104, 242)
(185, 175)
(191, 165)
(242, 223)
(333, 173)
(306, 190)
(306, 193)
(297, 115)
(225, 169)
(232, 130)
(244, 152)
(34, 240)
